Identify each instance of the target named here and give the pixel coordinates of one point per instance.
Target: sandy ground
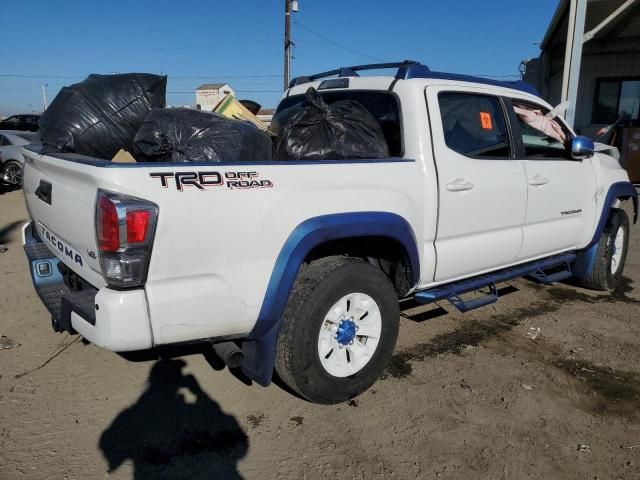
(465, 397)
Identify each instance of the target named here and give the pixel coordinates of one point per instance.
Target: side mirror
(581, 148)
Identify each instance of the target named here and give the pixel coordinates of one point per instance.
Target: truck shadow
(471, 333)
(8, 188)
(175, 430)
(6, 231)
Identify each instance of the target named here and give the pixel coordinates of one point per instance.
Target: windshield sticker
(485, 121)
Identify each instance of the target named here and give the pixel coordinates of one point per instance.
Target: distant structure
(180, 106)
(266, 115)
(608, 83)
(208, 95)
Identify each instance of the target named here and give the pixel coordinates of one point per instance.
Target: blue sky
(59, 42)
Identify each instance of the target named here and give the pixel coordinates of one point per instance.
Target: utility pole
(287, 42)
(44, 97)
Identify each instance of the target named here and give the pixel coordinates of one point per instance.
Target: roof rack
(408, 69)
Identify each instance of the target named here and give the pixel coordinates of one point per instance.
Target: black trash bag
(101, 114)
(283, 117)
(186, 135)
(253, 107)
(340, 130)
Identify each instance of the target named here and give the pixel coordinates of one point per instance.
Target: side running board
(536, 269)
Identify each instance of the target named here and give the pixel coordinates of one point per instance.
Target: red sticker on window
(485, 121)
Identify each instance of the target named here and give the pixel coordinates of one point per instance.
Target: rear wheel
(611, 253)
(339, 329)
(12, 173)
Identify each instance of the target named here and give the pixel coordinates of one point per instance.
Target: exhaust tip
(234, 360)
(229, 353)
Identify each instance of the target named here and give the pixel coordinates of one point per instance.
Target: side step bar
(536, 269)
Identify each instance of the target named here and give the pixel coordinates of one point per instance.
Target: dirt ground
(545, 384)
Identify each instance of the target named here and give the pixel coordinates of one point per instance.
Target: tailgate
(61, 197)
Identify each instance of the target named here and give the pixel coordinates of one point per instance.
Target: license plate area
(72, 280)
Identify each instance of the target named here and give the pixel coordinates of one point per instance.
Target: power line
(32, 75)
(192, 92)
(495, 76)
(336, 44)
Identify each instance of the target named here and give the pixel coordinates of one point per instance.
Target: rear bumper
(112, 319)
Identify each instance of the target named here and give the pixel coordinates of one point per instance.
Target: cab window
(474, 125)
(542, 137)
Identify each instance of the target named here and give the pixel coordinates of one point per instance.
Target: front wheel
(339, 329)
(611, 253)
(12, 173)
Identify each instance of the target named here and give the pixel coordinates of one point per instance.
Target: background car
(11, 159)
(25, 123)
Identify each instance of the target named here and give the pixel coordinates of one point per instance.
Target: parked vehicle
(11, 159)
(26, 123)
(299, 265)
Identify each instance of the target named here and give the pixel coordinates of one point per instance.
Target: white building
(209, 95)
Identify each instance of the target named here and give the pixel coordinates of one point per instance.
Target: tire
(611, 253)
(319, 288)
(12, 173)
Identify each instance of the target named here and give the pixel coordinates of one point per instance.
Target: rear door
(561, 205)
(481, 186)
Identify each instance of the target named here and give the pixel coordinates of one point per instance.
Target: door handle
(43, 192)
(459, 185)
(538, 180)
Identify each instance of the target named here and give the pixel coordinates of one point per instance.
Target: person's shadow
(175, 430)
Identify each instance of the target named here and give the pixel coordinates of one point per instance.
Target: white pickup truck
(299, 265)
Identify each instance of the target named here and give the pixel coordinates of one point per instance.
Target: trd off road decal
(204, 180)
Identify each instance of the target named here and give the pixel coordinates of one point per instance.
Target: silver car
(11, 159)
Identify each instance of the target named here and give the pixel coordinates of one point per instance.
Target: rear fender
(260, 348)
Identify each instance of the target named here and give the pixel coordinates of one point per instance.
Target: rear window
(474, 125)
(382, 105)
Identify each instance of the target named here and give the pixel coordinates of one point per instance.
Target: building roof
(627, 24)
(211, 86)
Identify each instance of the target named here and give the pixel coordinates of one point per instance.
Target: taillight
(107, 225)
(125, 227)
(137, 225)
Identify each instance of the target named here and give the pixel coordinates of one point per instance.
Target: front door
(561, 207)
(482, 188)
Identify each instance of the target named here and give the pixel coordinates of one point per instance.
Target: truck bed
(216, 222)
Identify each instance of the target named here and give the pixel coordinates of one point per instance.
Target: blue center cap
(346, 332)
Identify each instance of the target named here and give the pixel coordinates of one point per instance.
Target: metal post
(287, 42)
(44, 97)
(573, 57)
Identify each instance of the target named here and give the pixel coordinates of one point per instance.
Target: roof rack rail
(408, 69)
(351, 71)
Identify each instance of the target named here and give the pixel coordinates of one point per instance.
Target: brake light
(108, 230)
(125, 227)
(137, 223)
